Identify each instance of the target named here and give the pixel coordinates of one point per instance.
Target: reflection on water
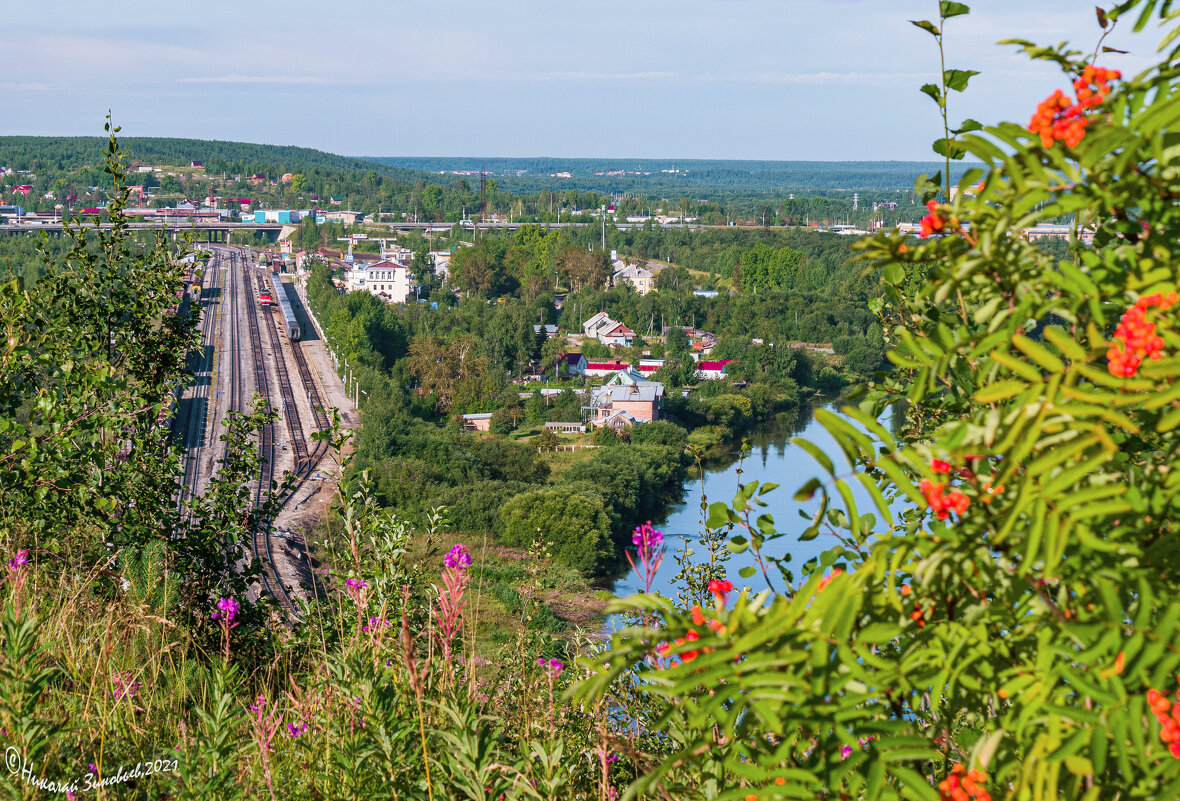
(771, 458)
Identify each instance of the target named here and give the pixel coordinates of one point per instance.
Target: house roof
(480, 416)
(605, 366)
(618, 330)
(648, 391)
(649, 368)
(572, 358)
(549, 329)
(720, 365)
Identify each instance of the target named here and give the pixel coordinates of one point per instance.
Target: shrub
(575, 526)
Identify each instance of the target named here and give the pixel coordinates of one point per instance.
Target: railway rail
(192, 429)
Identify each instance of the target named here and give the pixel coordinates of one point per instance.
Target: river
(772, 458)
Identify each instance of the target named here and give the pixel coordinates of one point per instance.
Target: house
(195, 164)
(626, 399)
(346, 217)
(640, 278)
(549, 331)
(649, 366)
(603, 368)
(566, 428)
(707, 371)
(571, 363)
(478, 422)
(705, 293)
(618, 334)
(24, 189)
(257, 178)
(385, 279)
(590, 327)
(334, 200)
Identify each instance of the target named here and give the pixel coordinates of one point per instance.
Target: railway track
(193, 427)
(262, 534)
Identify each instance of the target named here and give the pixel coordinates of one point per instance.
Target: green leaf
(747, 571)
(948, 9)
(927, 26)
(935, 92)
(968, 126)
(956, 80)
(949, 148)
(1000, 390)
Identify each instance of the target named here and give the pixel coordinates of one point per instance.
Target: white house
(385, 279)
(600, 320)
(627, 398)
(617, 334)
(641, 279)
(707, 371)
(571, 363)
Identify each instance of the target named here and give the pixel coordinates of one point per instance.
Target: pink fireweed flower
(552, 667)
(124, 685)
(450, 601)
(649, 549)
(458, 558)
(229, 609)
(20, 560)
(294, 730)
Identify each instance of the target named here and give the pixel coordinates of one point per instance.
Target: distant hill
(678, 176)
(64, 153)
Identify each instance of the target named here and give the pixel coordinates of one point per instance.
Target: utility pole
(603, 209)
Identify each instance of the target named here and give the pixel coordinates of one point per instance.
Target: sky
(729, 79)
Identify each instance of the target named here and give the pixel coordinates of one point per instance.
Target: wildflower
(458, 558)
(845, 752)
(356, 584)
(552, 667)
(20, 560)
(917, 616)
(939, 466)
(294, 730)
(698, 617)
(720, 589)
(613, 758)
(124, 686)
(649, 545)
(92, 768)
(228, 610)
(375, 624)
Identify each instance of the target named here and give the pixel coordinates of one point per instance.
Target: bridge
(223, 231)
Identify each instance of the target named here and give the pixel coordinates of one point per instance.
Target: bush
(575, 526)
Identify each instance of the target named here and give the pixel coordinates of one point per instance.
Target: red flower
(939, 466)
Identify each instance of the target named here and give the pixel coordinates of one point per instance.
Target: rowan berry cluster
(963, 785)
(933, 223)
(1057, 119)
(1168, 715)
(943, 502)
(720, 590)
(1136, 336)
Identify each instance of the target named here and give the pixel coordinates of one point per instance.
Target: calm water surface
(772, 458)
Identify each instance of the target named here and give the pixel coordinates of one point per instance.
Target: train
(264, 297)
(290, 323)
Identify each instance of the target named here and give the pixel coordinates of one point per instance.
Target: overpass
(223, 231)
